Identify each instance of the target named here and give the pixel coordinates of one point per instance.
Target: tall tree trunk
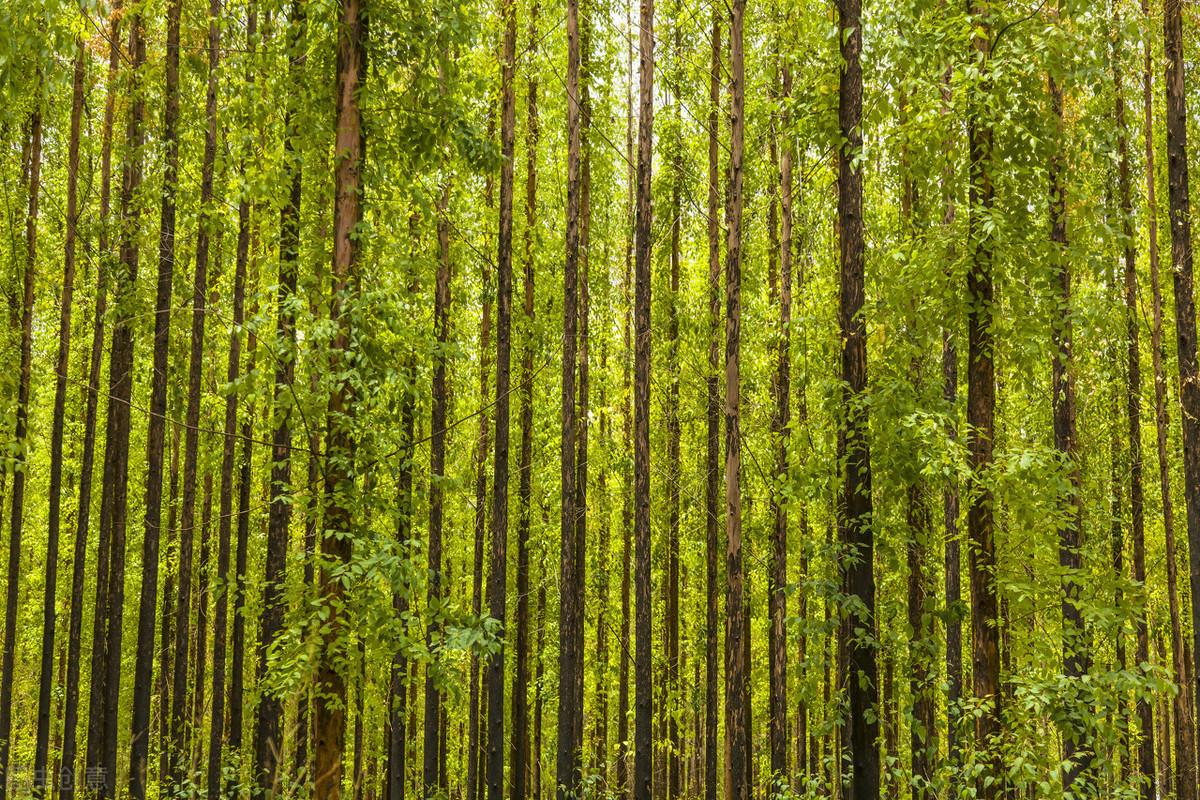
(49, 609)
(191, 436)
(437, 470)
(285, 328)
(238, 645)
(582, 380)
(92, 402)
(713, 422)
(520, 747)
(855, 520)
(1185, 742)
(110, 584)
(19, 443)
(349, 151)
(643, 713)
(1185, 306)
(156, 429)
(498, 575)
(981, 418)
(1133, 394)
(570, 609)
(268, 744)
(737, 699)
(781, 384)
(1076, 660)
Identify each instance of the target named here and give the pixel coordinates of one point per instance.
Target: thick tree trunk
(49, 610)
(349, 151)
(1185, 306)
(570, 609)
(737, 699)
(156, 432)
(87, 458)
(643, 712)
(498, 575)
(110, 584)
(981, 415)
(520, 747)
(1185, 742)
(855, 522)
(1133, 404)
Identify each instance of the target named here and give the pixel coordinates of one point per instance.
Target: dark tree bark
(570, 609)
(1185, 742)
(1076, 659)
(643, 712)
(20, 433)
(437, 469)
(713, 420)
(520, 747)
(539, 674)
(349, 150)
(157, 426)
(860, 673)
(49, 610)
(781, 420)
(87, 458)
(1133, 405)
(737, 699)
(285, 321)
(1185, 306)
(191, 437)
(110, 584)
(498, 575)
(981, 418)
(268, 743)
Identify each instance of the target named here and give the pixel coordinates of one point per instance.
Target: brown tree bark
(349, 151)
(20, 445)
(737, 700)
(1133, 404)
(54, 520)
(1185, 306)
(780, 424)
(520, 746)
(1185, 741)
(854, 520)
(87, 458)
(981, 416)
(156, 429)
(570, 609)
(713, 422)
(643, 712)
(110, 585)
(498, 575)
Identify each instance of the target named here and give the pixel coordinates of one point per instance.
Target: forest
(598, 400)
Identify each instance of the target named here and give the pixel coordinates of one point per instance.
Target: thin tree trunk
(437, 470)
(855, 505)
(349, 149)
(713, 419)
(643, 712)
(538, 680)
(570, 609)
(20, 446)
(50, 611)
